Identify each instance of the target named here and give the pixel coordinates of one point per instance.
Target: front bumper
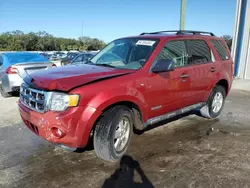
(11, 82)
(76, 124)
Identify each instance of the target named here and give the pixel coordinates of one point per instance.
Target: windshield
(14, 58)
(128, 53)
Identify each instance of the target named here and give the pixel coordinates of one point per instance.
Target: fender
(215, 80)
(229, 80)
(104, 100)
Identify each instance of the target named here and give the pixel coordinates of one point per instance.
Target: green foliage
(42, 41)
(91, 44)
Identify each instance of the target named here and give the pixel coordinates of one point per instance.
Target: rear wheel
(215, 103)
(113, 133)
(4, 94)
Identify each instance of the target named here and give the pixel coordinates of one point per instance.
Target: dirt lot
(191, 152)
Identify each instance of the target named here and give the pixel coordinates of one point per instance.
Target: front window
(175, 51)
(128, 53)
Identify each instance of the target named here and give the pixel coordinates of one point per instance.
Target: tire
(105, 133)
(210, 111)
(4, 94)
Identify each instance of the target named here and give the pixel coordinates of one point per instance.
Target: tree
(43, 41)
(96, 44)
(91, 44)
(31, 40)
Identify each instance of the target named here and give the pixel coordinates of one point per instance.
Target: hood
(69, 77)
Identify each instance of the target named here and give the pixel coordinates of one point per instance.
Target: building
(241, 42)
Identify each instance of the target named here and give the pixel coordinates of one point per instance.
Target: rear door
(201, 68)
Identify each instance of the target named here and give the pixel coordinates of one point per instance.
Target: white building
(241, 42)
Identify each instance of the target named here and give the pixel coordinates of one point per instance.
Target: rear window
(221, 49)
(14, 58)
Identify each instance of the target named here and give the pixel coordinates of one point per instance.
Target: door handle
(213, 69)
(184, 76)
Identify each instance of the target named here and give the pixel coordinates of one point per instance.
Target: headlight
(61, 101)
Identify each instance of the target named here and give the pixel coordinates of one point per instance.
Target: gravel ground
(191, 152)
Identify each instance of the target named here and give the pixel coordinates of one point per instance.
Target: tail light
(54, 65)
(11, 70)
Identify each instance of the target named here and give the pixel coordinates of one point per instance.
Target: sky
(111, 19)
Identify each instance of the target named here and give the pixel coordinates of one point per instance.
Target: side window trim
(212, 56)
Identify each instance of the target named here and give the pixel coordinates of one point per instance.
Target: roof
(177, 34)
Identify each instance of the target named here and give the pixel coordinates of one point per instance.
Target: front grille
(33, 98)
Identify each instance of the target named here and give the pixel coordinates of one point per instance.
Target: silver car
(14, 66)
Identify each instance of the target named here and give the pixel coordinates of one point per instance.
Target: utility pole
(82, 28)
(183, 14)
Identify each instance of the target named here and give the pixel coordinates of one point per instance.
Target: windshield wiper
(106, 65)
(103, 65)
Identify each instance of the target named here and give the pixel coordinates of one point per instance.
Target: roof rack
(180, 32)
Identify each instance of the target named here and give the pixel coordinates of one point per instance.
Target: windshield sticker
(145, 42)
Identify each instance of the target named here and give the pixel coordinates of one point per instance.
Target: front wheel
(113, 133)
(215, 103)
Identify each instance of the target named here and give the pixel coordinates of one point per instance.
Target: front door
(169, 91)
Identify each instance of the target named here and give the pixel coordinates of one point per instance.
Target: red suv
(132, 83)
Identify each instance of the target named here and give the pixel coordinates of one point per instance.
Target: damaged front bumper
(70, 128)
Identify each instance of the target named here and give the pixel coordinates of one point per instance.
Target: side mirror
(163, 65)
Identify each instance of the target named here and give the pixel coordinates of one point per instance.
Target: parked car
(131, 84)
(82, 58)
(68, 59)
(14, 66)
(57, 56)
(46, 55)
